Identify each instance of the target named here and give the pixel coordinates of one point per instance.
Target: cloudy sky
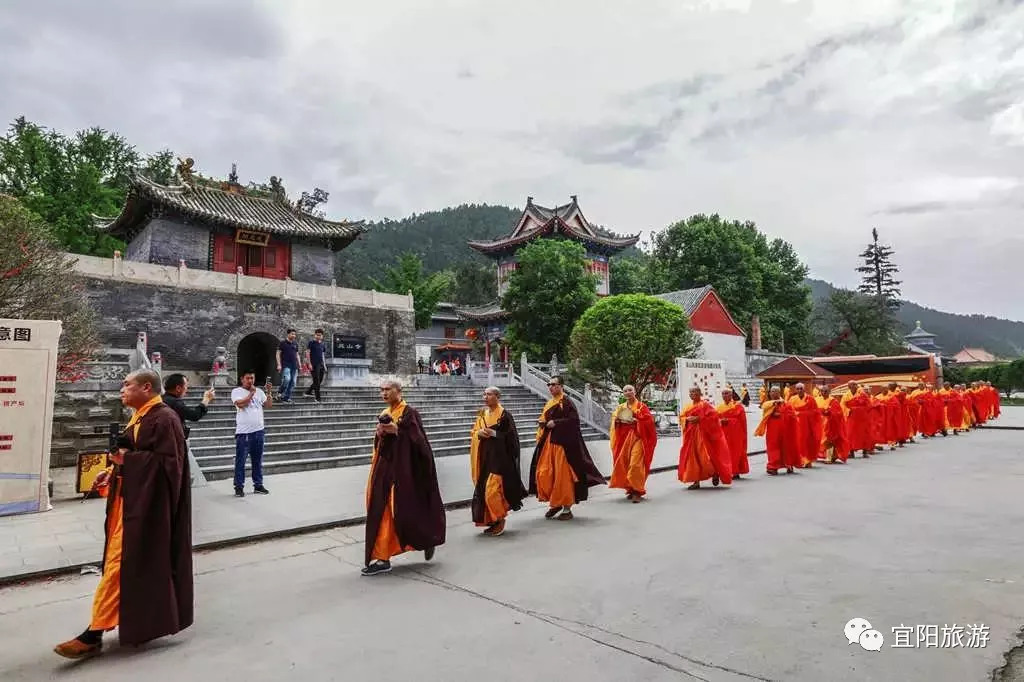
(817, 119)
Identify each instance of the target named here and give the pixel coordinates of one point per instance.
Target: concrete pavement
(751, 583)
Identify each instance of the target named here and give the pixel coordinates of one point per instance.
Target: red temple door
(270, 261)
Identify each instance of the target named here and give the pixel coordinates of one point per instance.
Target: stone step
(336, 405)
(524, 413)
(224, 468)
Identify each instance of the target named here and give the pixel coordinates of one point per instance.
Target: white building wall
(730, 349)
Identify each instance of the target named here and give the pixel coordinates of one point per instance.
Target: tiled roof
(919, 333)
(795, 368)
(967, 355)
(233, 209)
(687, 299)
(482, 313)
(554, 226)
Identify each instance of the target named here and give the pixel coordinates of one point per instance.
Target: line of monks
(146, 586)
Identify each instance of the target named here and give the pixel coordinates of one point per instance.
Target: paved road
(755, 582)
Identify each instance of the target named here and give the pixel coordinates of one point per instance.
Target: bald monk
(936, 411)
(404, 512)
(835, 444)
(633, 440)
(562, 471)
(918, 399)
(734, 425)
(954, 408)
(779, 428)
(979, 403)
(996, 399)
(494, 452)
(859, 427)
(704, 453)
(808, 425)
(146, 586)
(894, 427)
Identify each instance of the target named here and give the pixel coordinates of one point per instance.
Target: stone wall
(82, 413)
(187, 325)
(165, 241)
(312, 263)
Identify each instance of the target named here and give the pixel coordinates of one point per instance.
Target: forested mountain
(1002, 338)
(439, 239)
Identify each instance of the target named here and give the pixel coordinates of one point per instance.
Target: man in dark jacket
(175, 388)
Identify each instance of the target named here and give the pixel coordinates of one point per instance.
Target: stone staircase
(339, 431)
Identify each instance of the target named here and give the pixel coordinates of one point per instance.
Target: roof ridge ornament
(184, 171)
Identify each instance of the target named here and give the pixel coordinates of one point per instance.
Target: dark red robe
(566, 433)
(499, 455)
(156, 550)
(406, 461)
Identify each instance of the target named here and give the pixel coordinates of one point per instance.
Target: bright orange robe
(704, 451)
(106, 604)
(918, 418)
(734, 426)
(809, 427)
(954, 409)
(633, 447)
(835, 444)
(387, 544)
(894, 428)
(778, 425)
(857, 407)
(996, 399)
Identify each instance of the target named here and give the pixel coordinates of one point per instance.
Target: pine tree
(879, 274)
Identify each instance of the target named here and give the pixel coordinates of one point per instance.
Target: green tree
(1012, 377)
(631, 339)
(474, 283)
(879, 274)
(68, 180)
(427, 290)
(631, 276)
(546, 295)
(856, 325)
(38, 282)
(753, 276)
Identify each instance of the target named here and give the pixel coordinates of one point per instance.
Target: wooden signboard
(252, 237)
(90, 464)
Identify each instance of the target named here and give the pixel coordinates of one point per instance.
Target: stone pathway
(71, 534)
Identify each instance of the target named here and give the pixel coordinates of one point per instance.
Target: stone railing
(491, 373)
(591, 412)
(208, 280)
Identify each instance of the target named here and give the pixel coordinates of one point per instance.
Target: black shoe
(261, 490)
(239, 492)
(428, 553)
(377, 567)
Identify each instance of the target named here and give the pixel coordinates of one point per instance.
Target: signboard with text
(349, 347)
(28, 375)
(707, 375)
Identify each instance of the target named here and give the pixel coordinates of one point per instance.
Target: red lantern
(471, 333)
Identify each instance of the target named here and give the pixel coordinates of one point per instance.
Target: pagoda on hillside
(539, 222)
(226, 227)
(920, 341)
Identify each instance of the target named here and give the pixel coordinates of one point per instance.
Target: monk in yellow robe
(856, 406)
(633, 440)
(404, 511)
(146, 586)
(835, 444)
(494, 465)
(734, 426)
(809, 426)
(778, 425)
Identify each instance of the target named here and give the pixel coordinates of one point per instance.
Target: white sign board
(707, 375)
(28, 376)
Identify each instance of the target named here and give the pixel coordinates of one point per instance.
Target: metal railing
(591, 413)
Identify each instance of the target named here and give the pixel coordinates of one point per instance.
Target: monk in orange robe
(979, 403)
(704, 453)
(809, 426)
(146, 586)
(494, 465)
(633, 440)
(954, 408)
(778, 425)
(859, 427)
(835, 444)
(894, 429)
(936, 411)
(734, 425)
(404, 512)
(918, 401)
(996, 399)
(562, 471)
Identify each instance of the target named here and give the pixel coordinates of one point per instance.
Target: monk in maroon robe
(146, 586)
(562, 471)
(404, 511)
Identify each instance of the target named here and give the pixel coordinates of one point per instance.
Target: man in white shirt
(249, 433)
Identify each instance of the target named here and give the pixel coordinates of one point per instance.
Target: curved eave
(554, 227)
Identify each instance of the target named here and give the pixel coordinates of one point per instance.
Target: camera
(384, 419)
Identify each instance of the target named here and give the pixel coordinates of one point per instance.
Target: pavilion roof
(489, 312)
(796, 369)
(566, 221)
(235, 209)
